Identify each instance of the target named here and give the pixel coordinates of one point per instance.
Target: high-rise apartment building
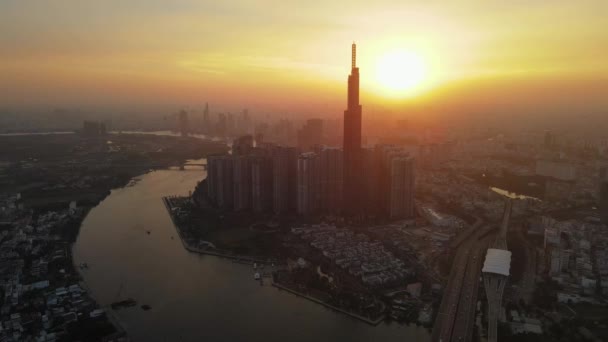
(402, 187)
(212, 178)
(242, 182)
(330, 180)
(284, 163)
(220, 180)
(261, 183)
(308, 194)
(371, 184)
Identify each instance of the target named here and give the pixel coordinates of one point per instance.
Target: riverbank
(196, 297)
(187, 244)
(51, 182)
(367, 320)
(110, 315)
(209, 249)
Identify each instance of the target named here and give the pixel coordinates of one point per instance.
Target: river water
(195, 297)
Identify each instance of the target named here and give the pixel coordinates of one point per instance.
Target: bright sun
(401, 73)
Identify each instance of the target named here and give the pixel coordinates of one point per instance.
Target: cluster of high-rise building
(313, 179)
(220, 124)
(283, 180)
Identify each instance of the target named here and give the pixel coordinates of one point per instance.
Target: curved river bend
(195, 297)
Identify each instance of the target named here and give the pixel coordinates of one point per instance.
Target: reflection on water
(512, 195)
(194, 297)
(170, 134)
(18, 134)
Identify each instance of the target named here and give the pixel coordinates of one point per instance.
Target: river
(195, 297)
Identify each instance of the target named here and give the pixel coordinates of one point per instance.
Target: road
(466, 234)
(457, 309)
(465, 316)
(494, 283)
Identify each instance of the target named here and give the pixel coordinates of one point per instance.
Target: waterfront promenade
(318, 301)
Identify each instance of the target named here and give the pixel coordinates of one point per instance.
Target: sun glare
(401, 73)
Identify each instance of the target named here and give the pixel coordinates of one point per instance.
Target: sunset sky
(281, 55)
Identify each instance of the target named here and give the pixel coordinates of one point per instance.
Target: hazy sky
(481, 55)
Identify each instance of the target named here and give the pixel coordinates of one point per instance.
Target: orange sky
(293, 56)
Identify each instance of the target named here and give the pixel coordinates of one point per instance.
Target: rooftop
(497, 261)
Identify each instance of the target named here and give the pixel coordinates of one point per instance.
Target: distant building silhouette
(221, 127)
(557, 169)
(93, 128)
(243, 124)
(206, 119)
(230, 124)
(310, 134)
(352, 143)
(550, 139)
(183, 123)
(242, 145)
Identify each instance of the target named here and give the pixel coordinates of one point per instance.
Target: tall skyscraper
(352, 142)
(549, 139)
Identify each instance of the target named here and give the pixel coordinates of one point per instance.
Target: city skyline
(314, 180)
(233, 171)
(477, 56)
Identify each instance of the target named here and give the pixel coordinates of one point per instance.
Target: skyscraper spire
(354, 56)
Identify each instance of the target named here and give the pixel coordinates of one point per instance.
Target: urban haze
(256, 170)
